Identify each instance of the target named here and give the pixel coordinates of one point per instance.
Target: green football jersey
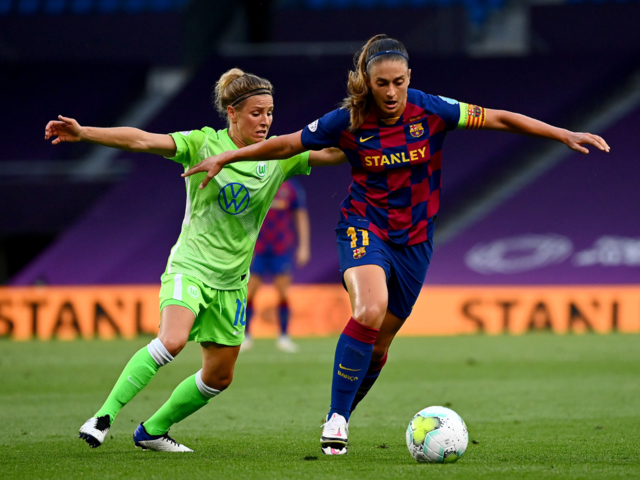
(222, 221)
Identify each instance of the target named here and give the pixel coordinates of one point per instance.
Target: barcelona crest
(475, 111)
(359, 252)
(416, 130)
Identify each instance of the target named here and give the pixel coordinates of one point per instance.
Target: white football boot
(95, 430)
(285, 344)
(334, 435)
(157, 443)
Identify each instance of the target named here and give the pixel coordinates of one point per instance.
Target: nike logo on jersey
(235, 333)
(362, 140)
(134, 382)
(350, 369)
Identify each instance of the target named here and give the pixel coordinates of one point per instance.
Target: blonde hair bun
(226, 79)
(234, 83)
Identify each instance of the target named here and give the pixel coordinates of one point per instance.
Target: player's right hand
(65, 129)
(211, 165)
(576, 140)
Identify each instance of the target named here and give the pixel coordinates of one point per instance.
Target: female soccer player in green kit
(392, 136)
(204, 287)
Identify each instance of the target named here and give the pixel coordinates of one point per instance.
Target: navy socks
(283, 315)
(370, 378)
(353, 356)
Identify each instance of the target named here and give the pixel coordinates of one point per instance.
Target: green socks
(188, 397)
(135, 376)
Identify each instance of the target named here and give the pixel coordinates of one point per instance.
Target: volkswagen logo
(234, 198)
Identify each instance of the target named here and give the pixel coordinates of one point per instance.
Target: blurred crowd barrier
(317, 310)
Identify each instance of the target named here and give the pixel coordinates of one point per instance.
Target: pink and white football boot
(334, 435)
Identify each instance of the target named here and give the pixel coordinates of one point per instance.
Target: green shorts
(220, 314)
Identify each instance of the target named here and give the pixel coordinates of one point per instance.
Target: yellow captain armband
(472, 117)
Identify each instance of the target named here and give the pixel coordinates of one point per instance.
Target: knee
(173, 344)
(223, 383)
(370, 315)
(218, 380)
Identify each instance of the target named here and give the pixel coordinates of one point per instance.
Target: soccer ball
(437, 435)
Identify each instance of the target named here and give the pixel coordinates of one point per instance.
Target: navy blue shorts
(266, 264)
(405, 267)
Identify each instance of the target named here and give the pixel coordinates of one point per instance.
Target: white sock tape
(205, 390)
(159, 352)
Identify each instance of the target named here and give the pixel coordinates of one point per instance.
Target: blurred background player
(275, 254)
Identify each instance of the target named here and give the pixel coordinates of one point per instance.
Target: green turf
(538, 406)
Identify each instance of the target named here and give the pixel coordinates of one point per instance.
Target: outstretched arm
(124, 138)
(505, 121)
(326, 157)
(278, 148)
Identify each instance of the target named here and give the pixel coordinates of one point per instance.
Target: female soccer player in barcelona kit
(204, 287)
(275, 254)
(392, 136)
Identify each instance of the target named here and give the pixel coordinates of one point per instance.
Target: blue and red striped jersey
(278, 233)
(395, 164)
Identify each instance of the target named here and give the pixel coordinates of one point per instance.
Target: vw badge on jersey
(234, 198)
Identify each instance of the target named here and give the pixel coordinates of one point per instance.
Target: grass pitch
(537, 406)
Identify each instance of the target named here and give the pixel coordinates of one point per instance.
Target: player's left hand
(303, 255)
(211, 165)
(576, 140)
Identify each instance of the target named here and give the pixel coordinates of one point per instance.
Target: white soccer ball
(437, 435)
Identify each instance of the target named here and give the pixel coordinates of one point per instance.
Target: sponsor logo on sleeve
(186, 134)
(450, 101)
(313, 126)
